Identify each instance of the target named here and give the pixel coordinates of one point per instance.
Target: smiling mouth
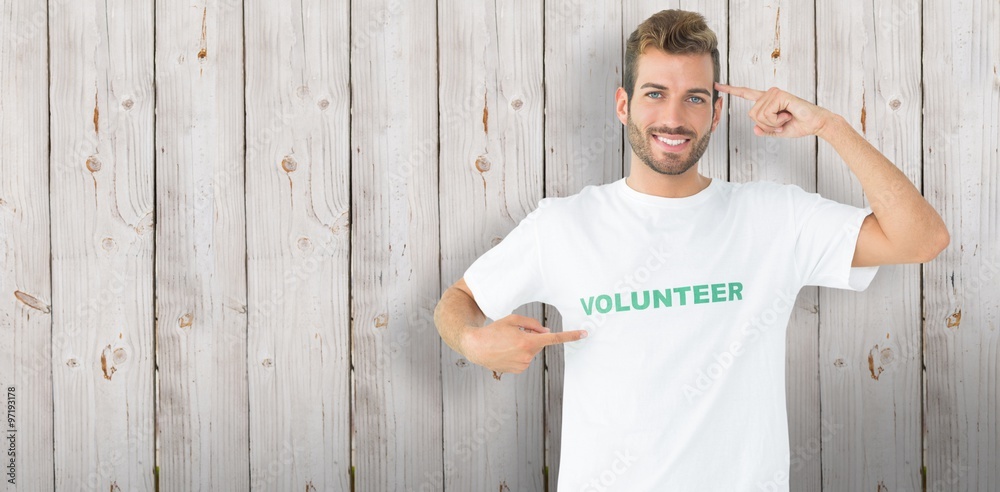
(671, 144)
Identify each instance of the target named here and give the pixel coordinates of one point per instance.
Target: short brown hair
(671, 31)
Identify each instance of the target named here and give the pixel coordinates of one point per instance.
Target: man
(682, 285)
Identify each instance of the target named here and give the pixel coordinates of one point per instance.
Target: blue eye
(697, 99)
(651, 94)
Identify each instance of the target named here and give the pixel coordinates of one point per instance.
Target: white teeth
(671, 142)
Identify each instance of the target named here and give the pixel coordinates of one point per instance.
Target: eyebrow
(697, 90)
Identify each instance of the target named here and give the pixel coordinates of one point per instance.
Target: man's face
(670, 117)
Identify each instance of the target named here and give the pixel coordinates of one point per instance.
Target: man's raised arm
(506, 345)
(903, 227)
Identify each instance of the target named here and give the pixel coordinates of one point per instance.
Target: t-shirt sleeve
(509, 275)
(827, 235)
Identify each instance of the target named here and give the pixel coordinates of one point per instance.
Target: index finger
(560, 337)
(742, 92)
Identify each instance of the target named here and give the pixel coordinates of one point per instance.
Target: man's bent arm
(908, 223)
(507, 345)
(457, 313)
(903, 227)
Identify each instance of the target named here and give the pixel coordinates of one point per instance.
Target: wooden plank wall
(26, 343)
(869, 360)
(220, 275)
(297, 208)
(102, 232)
(491, 177)
(395, 282)
(201, 283)
(961, 164)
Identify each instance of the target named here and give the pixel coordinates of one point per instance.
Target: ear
(621, 105)
(717, 114)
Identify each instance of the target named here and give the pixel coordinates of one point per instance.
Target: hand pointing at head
(777, 113)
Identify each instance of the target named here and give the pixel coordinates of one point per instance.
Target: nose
(672, 113)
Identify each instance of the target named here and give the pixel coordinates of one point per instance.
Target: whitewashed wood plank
(715, 162)
(583, 141)
(202, 410)
(961, 148)
(868, 70)
(25, 288)
(297, 203)
(775, 48)
(102, 99)
(395, 247)
(491, 173)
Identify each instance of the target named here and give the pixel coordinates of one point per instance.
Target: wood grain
(26, 343)
(491, 173)
(202, 408)
(298, 216)
(395, 252)
(961, 150)
(868, 71)
(102, 199)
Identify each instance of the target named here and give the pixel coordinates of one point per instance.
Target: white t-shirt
(680, 384)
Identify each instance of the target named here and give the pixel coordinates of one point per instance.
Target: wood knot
(302, 91)
(119, 356)
(289, 164)
(31, 301)
(874, 368)
(885, 356)
(127, 104)
(955, 319)
(304, 243)
(461, 362)
(267, 362)
(93, 164)
(323, 104)
(839, 362)
(496, 240)
(516, 104)
(776, 54)
(382, 320)
(202, 53)
(483, 164)
(108, 244)
(895, 104)
(108, 369)
(186, 320)
(72, 362)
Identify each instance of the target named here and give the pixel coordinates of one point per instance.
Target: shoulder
(591, 197)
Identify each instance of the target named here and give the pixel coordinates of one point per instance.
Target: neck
(644, 180)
